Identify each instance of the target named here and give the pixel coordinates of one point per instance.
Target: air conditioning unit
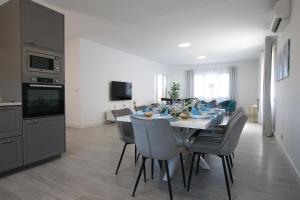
(282, 13)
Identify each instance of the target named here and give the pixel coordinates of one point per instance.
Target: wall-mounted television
(120, 91)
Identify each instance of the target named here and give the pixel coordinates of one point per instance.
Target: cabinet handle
(6, 142)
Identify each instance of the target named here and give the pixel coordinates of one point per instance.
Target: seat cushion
(204, 145)
(216, 133)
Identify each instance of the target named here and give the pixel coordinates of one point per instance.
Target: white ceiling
(222, 30)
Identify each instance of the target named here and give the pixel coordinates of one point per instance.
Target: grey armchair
(125, 132)
(222, 148)
(155, 139)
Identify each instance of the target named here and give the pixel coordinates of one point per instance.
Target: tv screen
(120, 91)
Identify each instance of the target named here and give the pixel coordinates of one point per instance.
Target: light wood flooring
(86, 172)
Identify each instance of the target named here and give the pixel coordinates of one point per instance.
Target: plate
(200, 116)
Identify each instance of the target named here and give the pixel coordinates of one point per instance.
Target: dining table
(186, 127)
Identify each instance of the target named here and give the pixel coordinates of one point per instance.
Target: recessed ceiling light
(201, 57)
(184, 44)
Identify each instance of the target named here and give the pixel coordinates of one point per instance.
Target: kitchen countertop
(10, 104)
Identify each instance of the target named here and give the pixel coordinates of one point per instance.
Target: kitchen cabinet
(43, 138)
(10, 121)
(42, 27)
(11, 153)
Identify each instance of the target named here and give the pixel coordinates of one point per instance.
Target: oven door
(40, 100)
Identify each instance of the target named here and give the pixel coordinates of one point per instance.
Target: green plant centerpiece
(174, 91)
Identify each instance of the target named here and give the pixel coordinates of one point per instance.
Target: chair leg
(152, 167)
(138, 156)
(198, 163)
(125, 145)
(233, 154)
(145, 180)
(139, 176)
(160, 164)
(191, 171)
(182, 170)
(169, 180)
(229, 168)
(226, 177)
(135, 154)
(230, 159)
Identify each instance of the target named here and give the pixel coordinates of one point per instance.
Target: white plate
(200, 116)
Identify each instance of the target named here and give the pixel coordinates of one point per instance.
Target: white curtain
(267, 98)
(160, 87)
(212, 84)
(190, 84)
(232, 81)
(261, 87)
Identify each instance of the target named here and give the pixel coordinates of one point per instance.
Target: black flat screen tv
(120, 91)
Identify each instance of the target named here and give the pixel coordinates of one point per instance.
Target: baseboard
(290, 161)
(86, 125)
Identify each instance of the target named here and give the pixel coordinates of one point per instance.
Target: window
(160, 86)
(212, 84)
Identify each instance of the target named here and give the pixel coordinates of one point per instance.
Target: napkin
(195, 111)
(166, 112)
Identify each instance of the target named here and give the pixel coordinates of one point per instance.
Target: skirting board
(290, 161)
(69, 125)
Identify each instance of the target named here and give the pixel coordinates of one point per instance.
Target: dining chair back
(154, 138)
(233, 133)
(124, 129)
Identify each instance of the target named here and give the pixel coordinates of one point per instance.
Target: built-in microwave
(41, 62)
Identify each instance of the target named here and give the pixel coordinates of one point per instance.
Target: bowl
(148, 114)
(184, 116)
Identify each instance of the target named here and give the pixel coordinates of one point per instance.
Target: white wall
(288, 95)
(98, 66)
(72, 86)
(247, 79)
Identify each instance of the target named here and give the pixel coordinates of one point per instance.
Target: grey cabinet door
(10, 121)
(42, 26)
(43, 138)
(11, 154)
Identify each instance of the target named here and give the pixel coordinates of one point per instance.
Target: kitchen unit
(32, 92)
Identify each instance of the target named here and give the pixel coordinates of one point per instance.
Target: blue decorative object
(165, 112)
(195, 111)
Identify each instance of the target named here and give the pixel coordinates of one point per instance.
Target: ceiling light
(201, 57)
(184, 44)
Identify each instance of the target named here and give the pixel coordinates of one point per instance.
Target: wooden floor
(86, 172)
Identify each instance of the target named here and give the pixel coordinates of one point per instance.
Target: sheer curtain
(212, 84)
(160, 87)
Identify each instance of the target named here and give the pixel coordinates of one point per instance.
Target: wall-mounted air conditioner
(282, 13)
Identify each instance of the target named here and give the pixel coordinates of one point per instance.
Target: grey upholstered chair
(142, 107)
(217, 133)
(125, 132)
(155, 139)
(222, 148)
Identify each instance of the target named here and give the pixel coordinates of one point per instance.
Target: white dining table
(188, 125)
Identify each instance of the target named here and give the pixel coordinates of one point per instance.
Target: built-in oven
(42, 100)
